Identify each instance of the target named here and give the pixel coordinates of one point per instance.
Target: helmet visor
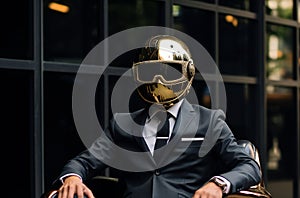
(154, 71)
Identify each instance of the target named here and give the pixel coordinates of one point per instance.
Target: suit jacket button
(157, 172)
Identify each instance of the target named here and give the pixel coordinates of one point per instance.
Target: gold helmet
(164, 71)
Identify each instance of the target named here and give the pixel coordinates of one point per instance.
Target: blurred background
(254, 43)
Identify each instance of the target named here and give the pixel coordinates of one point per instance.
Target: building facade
(254, 43)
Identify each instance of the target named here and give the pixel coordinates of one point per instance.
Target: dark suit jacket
(184, 165)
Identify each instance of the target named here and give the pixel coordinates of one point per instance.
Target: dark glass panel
(196, 23)
(280, 52)
(17, 131)
(71, 33)
(281, 140)
(16, 40)
(241, 111)
(126, 59)
(238, 46)
(131, 101)
(202, 90)
(248, 5)
(123, 15)
(61, 139)
(280, 8)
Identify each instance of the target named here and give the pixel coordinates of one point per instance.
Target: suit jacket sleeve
(242, 171)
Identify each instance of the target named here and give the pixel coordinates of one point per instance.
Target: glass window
(72, 29)
(280, 8)
(133, 13)
(16, 130)
(248, 5)
(62, 140)
(191, 21)
(125, 86)
(281, 140)
(298, 11)
(16, 39)
(202, 91)
(298, 62)
(126, 59)
(280, 47)
(241, 111)
(237, 45)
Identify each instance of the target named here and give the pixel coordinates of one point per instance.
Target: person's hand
(73, 185)
(209, 190)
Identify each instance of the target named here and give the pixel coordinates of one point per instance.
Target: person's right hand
(73, 185)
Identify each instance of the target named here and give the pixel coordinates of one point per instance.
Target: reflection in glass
(202, 90)
(298, 62)
(133, 13)
(298, 12)
(248, 5)
(281, 138)
(16, 127)
(190, 21)
(241, 110)
(131, 100)
(61, 138)
(280, 8)
(238, 46)
(280, 44)
(16, 41)
(72, 29)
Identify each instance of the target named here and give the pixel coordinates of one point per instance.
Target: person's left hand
(209, 190)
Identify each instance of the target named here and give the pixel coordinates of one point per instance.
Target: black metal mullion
(297, 182)
(216, 83)
(169, 13)
(297, 70)
(262, 103)
(37, 136)
(16, 64)
(281, 21)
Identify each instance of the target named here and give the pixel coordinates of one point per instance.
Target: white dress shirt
(151, 124)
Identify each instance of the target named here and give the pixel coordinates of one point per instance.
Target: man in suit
(186, 150)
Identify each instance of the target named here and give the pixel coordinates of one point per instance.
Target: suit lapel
(140, 119)
(183, 123)
(185, 116)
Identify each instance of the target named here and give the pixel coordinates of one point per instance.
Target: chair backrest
(258, 191)
(251, 150)
(104, 186)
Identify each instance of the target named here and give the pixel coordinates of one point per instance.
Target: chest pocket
(190, 147)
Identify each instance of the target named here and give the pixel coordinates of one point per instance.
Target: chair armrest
(53, 194)
(101, 186)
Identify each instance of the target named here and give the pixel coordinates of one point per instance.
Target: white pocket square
(192, 139)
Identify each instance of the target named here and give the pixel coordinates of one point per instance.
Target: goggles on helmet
(166, 72)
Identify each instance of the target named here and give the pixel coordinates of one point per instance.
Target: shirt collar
(172, 110)
(175, 108)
